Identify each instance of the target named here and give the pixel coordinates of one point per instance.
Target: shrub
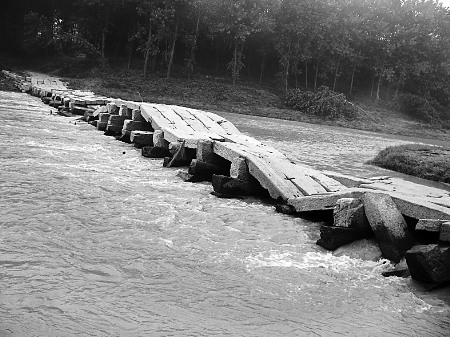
(323, 102)
(417, 107)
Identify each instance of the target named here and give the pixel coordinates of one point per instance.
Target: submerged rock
(367, 250)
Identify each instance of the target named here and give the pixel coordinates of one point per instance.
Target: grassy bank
(424, 161)
(248, 97)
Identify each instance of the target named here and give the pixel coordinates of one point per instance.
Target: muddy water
(96, 240)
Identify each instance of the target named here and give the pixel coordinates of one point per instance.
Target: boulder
(429, 263)
(365, 249)
(332, 237)
(388, 225)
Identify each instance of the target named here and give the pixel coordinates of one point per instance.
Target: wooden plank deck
(300, 185)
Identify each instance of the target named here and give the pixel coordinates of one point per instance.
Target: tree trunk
(353, 77)
(217, 56)
(378, 86)
(148, 48)
(194, 46)
(306, 75)
(263, 64)
(104, 31)
(317, 75)
(172, 50)
(336, 73)
(234, 65)
(373, 84)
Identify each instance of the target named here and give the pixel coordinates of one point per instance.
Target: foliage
(424, 161)
(323, 102)
(417, 107)
(387, 47)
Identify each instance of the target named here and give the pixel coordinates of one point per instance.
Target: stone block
(239, 169)
(116, 120)
(229, 186)
(144, 138)
(113, 109)
(124, 111)
(201, 168)
(205, 151)
(429, 263)
(159, 141)
(388, 225)
(137, 116)
(103, 117)
(101, 126)
(155, 152)
(349, 213)
(444, 234)
(429, 225)
(321, 202)
(332, 237)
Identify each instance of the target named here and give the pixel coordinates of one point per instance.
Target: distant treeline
(399, 45)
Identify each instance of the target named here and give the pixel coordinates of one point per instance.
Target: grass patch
(423, 161)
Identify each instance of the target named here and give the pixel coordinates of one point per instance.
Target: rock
(239, 169)
(332, 237)
(205, 151)
(101, 126)
(429, 225)
(131, 125)
(144, 138)
(206, 170)
(180, 158)
(113, 109)
(189, 177)
(103, 117)
(399, 272)
(365, 249)
(159, 141)
(124, 111)
(349, 212)
(429, 263)
(444, 234)
(388, 225)
(285, 209)
(136, 116)
(229, 186)
(155, 152)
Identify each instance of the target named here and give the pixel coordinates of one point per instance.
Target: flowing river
(96, 240)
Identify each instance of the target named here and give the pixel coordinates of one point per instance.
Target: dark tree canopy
(386, 48)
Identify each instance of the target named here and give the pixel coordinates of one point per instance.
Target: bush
(417, 107)
(323, 102)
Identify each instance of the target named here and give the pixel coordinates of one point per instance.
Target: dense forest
(388, 49)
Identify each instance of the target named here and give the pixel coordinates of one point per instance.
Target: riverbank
(218, 94)
(423, 161)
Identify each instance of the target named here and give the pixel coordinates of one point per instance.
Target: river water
(96, 240)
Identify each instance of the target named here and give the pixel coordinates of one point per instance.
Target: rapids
(96, 240)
